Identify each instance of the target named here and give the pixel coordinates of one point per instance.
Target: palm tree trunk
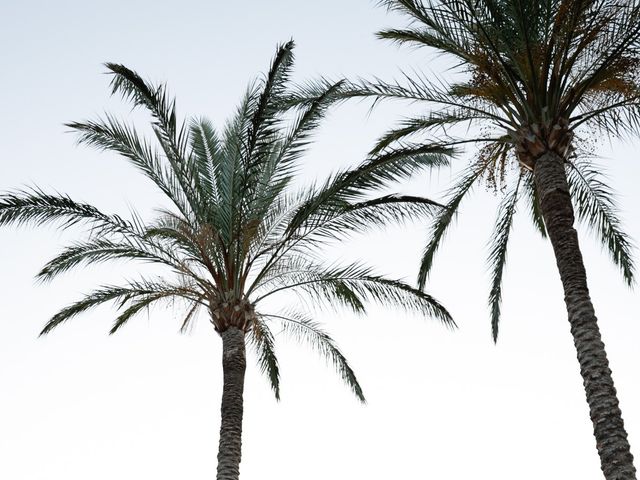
(234, 362)
(555, 202)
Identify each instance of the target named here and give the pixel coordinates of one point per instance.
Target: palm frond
(435, 121)
(305, 123)
(38, 208)
(443, 220)
(595, 206)
(303, 95)
(534, 204)
(191, 314)
(161, 106)
(498, 252)
(136, 307)
(153, 98)
(417, 88)
(333, 223)
(304, 329)
(261, 338)
(377, 172)
(206, 149)
(353, 285)
(112, 135)
(264, 120)
(102, 250)
(135, 292)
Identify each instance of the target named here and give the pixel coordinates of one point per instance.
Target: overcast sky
(145, 402)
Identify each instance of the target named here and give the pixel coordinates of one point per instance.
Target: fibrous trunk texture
(234, 362)
(555, 202)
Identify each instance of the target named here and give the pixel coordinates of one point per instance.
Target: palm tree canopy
(237, 231)
(531, 76)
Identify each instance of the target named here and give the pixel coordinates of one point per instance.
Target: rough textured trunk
(611, 437)
(234, 362)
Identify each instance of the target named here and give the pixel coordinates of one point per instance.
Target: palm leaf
(38, 208)
(303, 329)
(498, 253)
(595, 206)
(263, 341)
(443, 220)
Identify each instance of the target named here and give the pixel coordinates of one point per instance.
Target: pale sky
(145, 403)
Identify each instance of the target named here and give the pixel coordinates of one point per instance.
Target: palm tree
(237, 231)
(534, 79)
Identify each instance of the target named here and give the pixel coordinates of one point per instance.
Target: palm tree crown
(536, 76)
(237, 231)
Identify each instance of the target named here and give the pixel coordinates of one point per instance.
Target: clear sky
(145, 403)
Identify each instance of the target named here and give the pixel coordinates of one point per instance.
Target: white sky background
(145, 403)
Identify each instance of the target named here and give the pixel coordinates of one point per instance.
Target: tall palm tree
(236, 231)
(534, 79)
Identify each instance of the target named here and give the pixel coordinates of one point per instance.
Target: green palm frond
(228, 177)
(498, 252)
(435, 124)
(191, 314)
(261, 338)
(334, 285)
(622, 117)
(534, 204)
(417, 88)
(101, 250)
(265, 117)
(112, 135)
(135, 292)
(596, 207)
(443, 220)
(354, 285)
(272, 230)
(156, 101)
(302, 95)
(143, 303)
(206, 153)
(174, 230)
(172, 139)
(380, 170)
(306, 122)
(389, 166)
(342, 220)
(302, 328)
(378, 212)
(91, 300)
(37, 208)
(335, 221)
